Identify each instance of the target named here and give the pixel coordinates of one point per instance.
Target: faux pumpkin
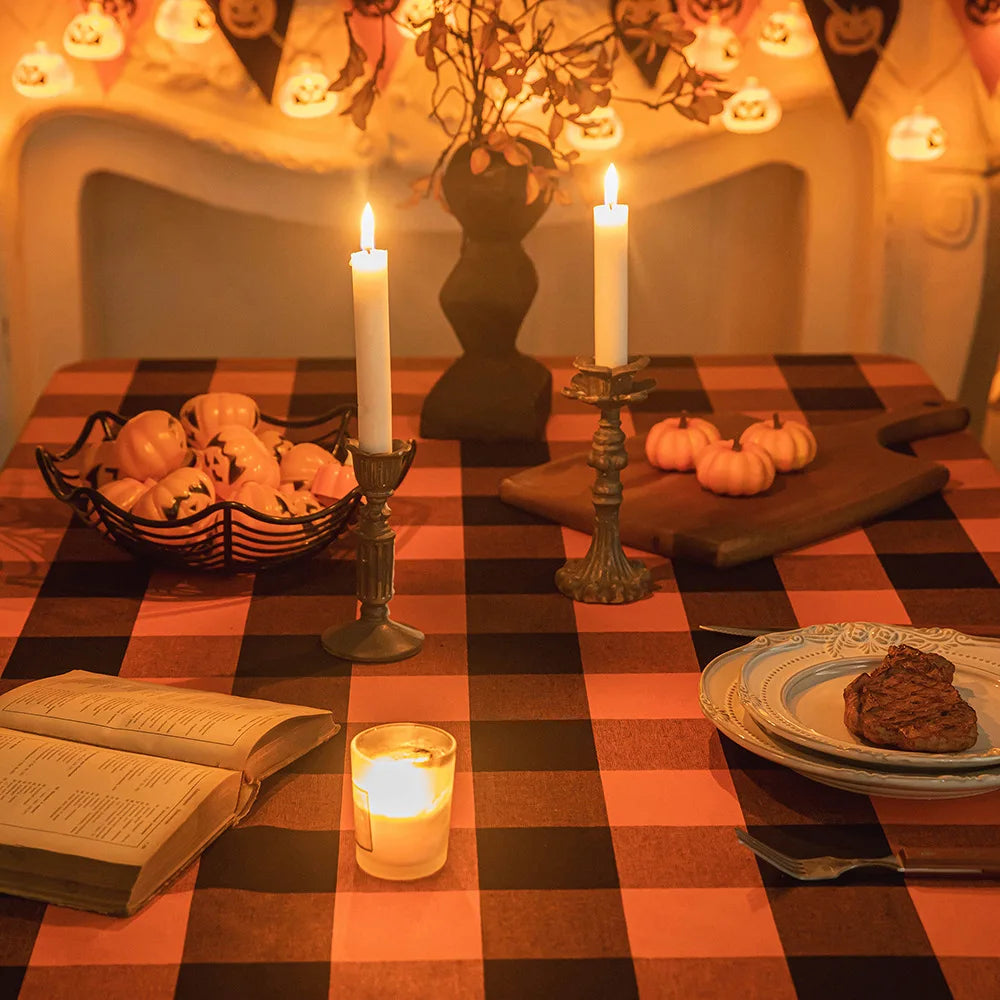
(790, 444)
(675, 443)
(734, 469)
(203, 415)
(123, 493)
(278, 445)
(181, 493)
(300, 463)
(235, 455)
(302, 502)
(265, 499)
(334, 480)
(150, 445)
(98, 463)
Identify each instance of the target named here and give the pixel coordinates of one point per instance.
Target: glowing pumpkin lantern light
(604, 130)
(189, 22)
(306, 92)
(788, 33)
(752, 108)
(917, 137)
(94, 35)
(715, 48)
(41, 73)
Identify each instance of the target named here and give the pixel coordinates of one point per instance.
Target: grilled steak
(908, 702)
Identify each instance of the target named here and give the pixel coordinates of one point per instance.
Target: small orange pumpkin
(733, 469)
(123, 493)
(98, 463)
(300, 464)
(790, 444)
(265, 499)
(181, 493)
(675, 443)
(234, 456)
(278, 445)
(150, 445)
(302, 502)
(334, 480)
(203, 415)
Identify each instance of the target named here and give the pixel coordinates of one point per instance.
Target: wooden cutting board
(853, 479)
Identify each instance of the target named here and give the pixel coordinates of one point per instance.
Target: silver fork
(970, 862)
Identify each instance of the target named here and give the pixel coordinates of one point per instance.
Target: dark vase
(492, 392)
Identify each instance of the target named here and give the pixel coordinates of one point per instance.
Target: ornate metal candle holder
(374, 637)
(605, 575)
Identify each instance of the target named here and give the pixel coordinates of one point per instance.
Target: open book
(110, 787)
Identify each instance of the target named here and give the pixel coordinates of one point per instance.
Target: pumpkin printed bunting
(979, 21)
(852, 37)
(256, 31)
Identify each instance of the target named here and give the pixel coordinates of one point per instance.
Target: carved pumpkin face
(915, 137)
(248, 18)
(190, 22)
(29, 74)
(849, 33)
(705, 10)
(182, 493)
(94, 35)
(715, 49)
(751, 109)
(235, 456)
(983, 12)
(306, 93)
(603, 130)
(42, 73)
(787, 33)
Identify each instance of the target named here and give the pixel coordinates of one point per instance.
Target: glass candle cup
(402, 775)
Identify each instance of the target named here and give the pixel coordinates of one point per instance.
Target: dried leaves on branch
(502, 75)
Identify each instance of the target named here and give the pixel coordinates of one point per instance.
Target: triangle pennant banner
(734, 14)
(256, 31)
(852, 39)
(980, 24)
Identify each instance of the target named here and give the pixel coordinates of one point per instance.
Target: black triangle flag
(851, 38)
(256, 31)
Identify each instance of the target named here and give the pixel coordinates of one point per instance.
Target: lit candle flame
(368, 228)
(611, 187)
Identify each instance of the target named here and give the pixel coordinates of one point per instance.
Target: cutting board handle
(921, 420)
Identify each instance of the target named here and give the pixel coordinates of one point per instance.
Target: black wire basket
(227, 535)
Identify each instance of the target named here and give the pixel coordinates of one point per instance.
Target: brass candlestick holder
(374, 637)
(605, 575)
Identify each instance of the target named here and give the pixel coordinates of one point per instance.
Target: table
(592, 853)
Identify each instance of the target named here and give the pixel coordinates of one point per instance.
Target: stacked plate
(782, 697)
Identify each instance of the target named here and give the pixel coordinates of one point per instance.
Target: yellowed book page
(76, 799)
(203, 727)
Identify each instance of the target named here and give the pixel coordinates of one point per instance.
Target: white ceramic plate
(794, 687)
(720, 701)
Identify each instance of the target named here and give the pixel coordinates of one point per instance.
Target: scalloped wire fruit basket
(227, 535)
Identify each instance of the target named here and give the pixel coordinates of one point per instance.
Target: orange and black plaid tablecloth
(592, 853)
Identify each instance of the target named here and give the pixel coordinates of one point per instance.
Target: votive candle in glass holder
(402, 775)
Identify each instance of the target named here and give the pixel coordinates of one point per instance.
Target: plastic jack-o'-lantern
(203, 415)
(188, 22)
(715, 48)
(98, 463)
(788, 33)
(984, 12)
(306, 92)
(604, 130)
(917, 136)
(234, 456)
(42, 73)
(851, 32)
(182, 493)
(248, 18)
(752, 108)
(150, 445)
(94, 35)
(300, 464)
(278, 445)
(302, 502)
(334, 480)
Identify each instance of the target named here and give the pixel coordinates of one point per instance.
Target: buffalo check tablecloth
(592, 851)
